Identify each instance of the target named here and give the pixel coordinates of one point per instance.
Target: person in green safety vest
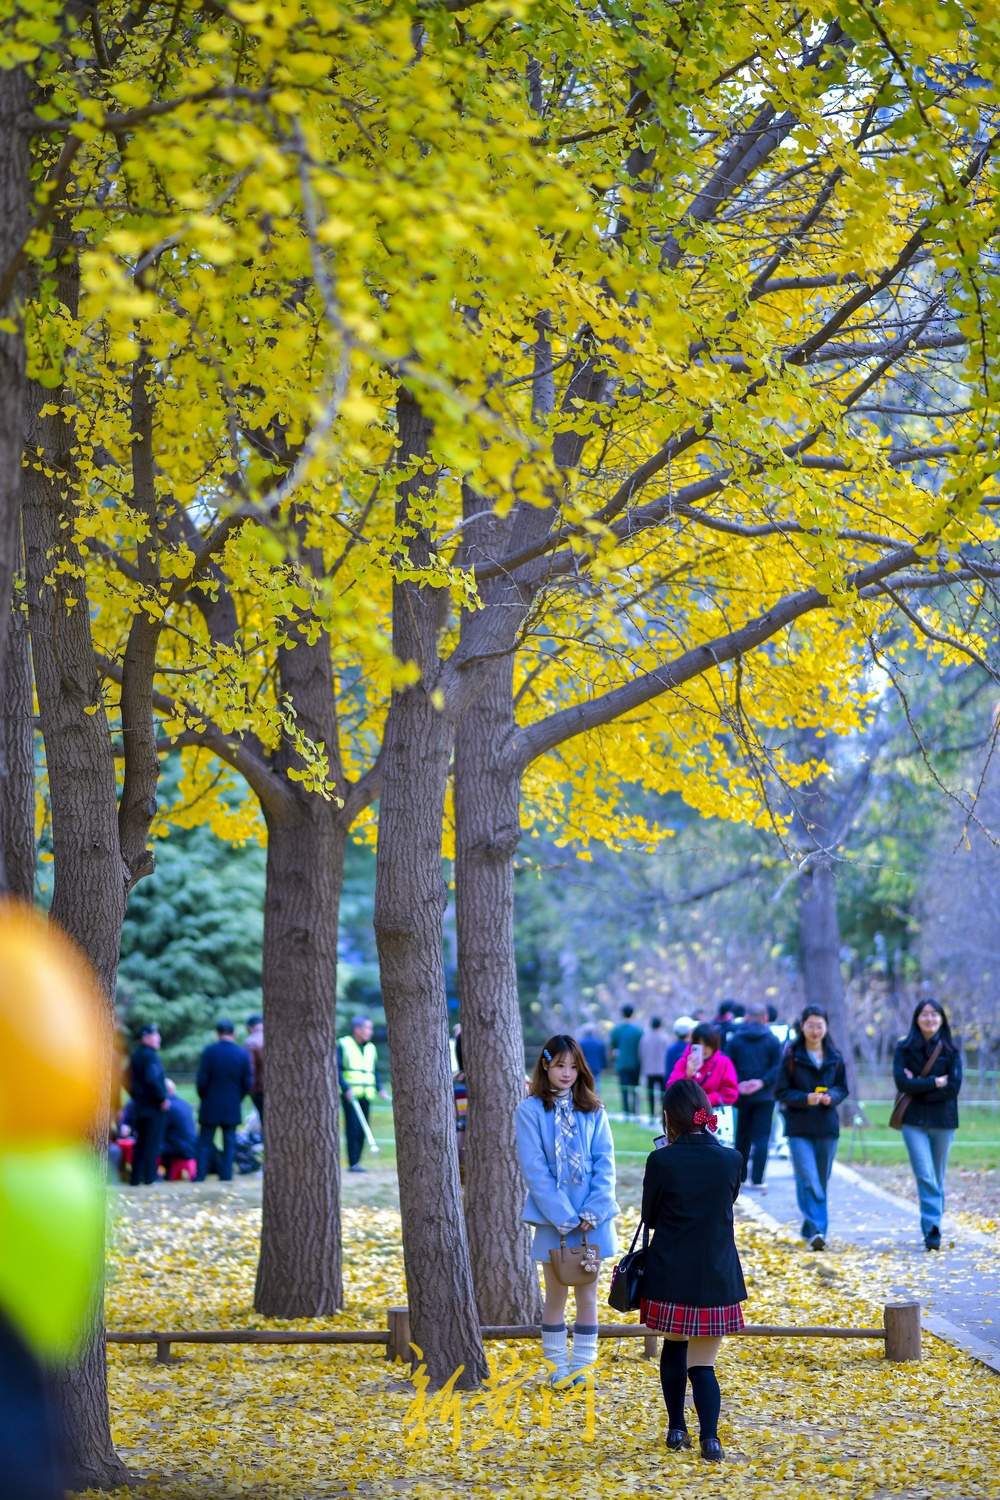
(357, 1065)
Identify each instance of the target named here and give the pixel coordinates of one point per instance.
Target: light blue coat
(547, 1204)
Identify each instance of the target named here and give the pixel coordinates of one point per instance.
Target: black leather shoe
(678, 1437)
(932, 1239)
(711, 1449)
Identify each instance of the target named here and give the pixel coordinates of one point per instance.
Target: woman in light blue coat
(567, 1157)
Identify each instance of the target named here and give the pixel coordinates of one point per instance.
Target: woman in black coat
(812, 1084)
(692, 1280)
(927, 1068)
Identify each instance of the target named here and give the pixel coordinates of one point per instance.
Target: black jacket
(756, 1053)
(687, 1202)
(147, 1081)
(180, 1139)
(224, 1077)
(798, 1077)
(931, 1108)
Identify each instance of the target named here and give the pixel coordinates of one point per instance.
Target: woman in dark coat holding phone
(812, 1084)
(692, 1282)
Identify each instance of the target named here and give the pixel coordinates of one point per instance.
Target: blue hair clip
(546, 1054)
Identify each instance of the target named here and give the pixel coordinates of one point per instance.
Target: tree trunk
(90, 874)
(15, 201)
(409, 905)
(487, 831)
(299, 1273)
(819, 957)
(17, 792)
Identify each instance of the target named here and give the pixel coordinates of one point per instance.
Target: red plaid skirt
(692, 1322)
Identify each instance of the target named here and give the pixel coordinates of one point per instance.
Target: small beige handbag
(575, 1265)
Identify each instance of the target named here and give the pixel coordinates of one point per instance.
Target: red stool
(126, 1146)
(181, 1170)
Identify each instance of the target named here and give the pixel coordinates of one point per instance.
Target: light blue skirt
(547, 1238)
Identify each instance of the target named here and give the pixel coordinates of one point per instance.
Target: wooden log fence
(900, 1332)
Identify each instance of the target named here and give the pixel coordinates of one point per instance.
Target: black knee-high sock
(673, 1379)
(707, 1399)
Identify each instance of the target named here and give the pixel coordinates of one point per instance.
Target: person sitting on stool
(224, 1078)
(180, 1142)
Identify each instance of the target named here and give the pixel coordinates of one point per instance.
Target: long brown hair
(584, 1093)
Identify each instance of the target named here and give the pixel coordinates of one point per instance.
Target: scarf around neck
(569, 1160)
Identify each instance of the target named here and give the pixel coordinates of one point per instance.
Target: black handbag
(625, 1292)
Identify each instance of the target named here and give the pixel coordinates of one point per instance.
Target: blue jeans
(928, 1151)
(812, 1163)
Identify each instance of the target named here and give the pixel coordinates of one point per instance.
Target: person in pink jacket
(704, 1061)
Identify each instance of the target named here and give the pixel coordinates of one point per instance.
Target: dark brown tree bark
(15, 201)
(17, 788)
(819, 921)
(409, 905)
(299, 1273)
(487, 831)
(91, 878)
(141, 769)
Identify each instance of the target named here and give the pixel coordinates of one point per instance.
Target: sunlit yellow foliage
(285, 213)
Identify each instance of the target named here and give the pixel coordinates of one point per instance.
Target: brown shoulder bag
(903, 1101)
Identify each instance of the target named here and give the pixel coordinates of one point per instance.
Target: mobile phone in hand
(697, 1054)
(659, 1141)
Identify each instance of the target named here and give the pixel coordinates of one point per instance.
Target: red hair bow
(705, 1117)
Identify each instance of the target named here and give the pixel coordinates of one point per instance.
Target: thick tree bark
(819, 957)
(137, 806)
(409, 905)
(816, 816)
(15, 201)
(91, 878)
(299, 1273)
(487, 830)
(17, 790)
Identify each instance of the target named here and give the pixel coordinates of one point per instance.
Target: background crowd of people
(746, 1061)
(155, 1133)
(743, 1060)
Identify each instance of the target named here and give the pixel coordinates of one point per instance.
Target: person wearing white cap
(683, 1027)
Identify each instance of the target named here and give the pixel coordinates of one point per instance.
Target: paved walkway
(958, 1287)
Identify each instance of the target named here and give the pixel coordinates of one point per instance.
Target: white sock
(584, 1347)
(555, 1347)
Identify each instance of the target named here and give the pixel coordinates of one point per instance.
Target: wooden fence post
(902, 1330)
(650, 1346)
(163, 1355)
(399, 1335)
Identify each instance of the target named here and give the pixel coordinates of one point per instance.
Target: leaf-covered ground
(801, 1419)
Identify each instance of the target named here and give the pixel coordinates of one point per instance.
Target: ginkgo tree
(778, 498)
(536, 314)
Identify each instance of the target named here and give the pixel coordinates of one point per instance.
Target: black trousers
(353, 1130)
(655, 1083)
(149, 1129)
(628, 1082)
(753, 1133)
(206, 1146)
